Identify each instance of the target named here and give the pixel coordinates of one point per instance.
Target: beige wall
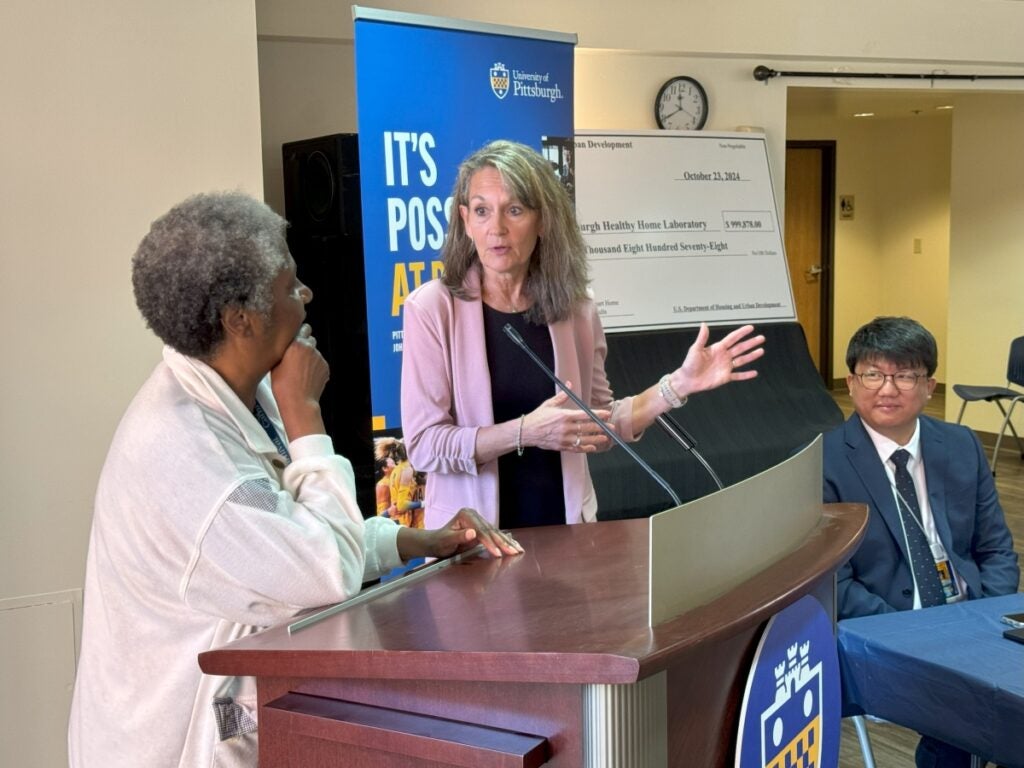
(306, 89)
(112, 112)
(307, 65)
(986, 272)
(115, 113)
(912, 30)
(898, 172)
(913, 194)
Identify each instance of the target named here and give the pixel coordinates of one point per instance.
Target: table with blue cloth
(945, 671)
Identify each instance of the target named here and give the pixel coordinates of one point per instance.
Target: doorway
(810, 246)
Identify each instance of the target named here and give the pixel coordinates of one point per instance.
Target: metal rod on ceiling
(764, 74)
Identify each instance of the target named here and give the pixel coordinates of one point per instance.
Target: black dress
(530, 489)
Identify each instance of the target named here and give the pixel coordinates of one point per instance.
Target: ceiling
(888, 103)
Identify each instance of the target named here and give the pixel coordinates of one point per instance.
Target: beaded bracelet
(665, 388)
(519, 436)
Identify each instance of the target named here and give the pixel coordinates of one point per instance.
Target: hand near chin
(298, 381)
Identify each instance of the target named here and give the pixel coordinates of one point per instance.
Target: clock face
(681, 105)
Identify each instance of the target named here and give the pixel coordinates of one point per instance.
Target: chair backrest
(1015, 365)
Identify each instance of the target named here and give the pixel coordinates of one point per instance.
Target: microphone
(513, 334)
(675, 430)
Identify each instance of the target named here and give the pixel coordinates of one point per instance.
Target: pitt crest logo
(499, 80)
(791, 709)
(791, 726)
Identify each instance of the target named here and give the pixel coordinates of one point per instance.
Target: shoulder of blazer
(934, 429)
(430, 295)
(854, 434)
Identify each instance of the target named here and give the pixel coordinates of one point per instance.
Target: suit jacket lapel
(864, 459)
(937, 460)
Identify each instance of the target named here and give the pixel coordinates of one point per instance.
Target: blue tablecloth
(946, 671)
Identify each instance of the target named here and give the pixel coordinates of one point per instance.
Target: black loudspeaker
(322, 205)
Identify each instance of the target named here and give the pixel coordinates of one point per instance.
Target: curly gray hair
(557, 277)
(208, 253)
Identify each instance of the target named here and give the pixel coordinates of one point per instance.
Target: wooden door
(808, 239)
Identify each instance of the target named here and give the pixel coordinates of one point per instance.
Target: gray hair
(208, 253)
(899, 340)
(557, 277)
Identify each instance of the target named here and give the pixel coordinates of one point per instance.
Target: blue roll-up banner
(430, 91)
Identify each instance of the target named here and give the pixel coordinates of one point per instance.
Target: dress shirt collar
(885, 447)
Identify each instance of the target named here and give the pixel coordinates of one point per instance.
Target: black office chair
(997, 395)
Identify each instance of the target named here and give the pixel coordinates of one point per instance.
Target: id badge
(949, 585)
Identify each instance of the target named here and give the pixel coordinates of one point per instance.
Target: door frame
(828, 197)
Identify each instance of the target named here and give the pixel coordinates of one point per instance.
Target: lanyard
(916, 515)
(943, 564)
(268, 427)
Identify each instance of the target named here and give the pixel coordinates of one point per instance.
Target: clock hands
(679, 108)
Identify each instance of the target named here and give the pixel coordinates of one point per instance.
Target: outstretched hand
(707, 367)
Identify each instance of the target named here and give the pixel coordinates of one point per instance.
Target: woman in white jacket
(222, 506)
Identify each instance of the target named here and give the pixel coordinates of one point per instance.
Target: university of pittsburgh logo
(791, 707)
(499, 80)
(791, 726)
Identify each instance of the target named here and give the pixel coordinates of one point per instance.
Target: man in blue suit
(952, 496)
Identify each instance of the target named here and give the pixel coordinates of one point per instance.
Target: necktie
(921, 561)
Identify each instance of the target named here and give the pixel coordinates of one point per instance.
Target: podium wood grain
(508, 645)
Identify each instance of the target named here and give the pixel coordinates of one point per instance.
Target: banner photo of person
(430, 91)
(399, 488)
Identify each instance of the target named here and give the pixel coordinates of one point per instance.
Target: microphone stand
(513, 334)
(675, 430)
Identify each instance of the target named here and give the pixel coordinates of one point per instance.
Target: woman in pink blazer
(486, 425)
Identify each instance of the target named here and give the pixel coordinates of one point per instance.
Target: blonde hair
(557, 276)
(388, 447)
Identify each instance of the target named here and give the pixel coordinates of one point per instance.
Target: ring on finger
(577, 443)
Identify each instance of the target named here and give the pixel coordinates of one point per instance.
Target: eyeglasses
(904, 380)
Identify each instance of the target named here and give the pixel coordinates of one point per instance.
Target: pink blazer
(446, 398)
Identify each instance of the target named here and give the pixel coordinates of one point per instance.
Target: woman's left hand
(707, 367)
(464, 531)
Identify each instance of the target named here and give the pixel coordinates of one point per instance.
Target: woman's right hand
(298, 381)
(464, 531)
(558, 424)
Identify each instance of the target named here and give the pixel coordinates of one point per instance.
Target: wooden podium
(541, 659)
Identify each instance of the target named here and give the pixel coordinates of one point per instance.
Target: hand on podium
(464, 531)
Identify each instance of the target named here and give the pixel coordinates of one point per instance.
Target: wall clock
(681, 104)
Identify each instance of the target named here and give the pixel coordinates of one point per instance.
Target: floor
(894, 746)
